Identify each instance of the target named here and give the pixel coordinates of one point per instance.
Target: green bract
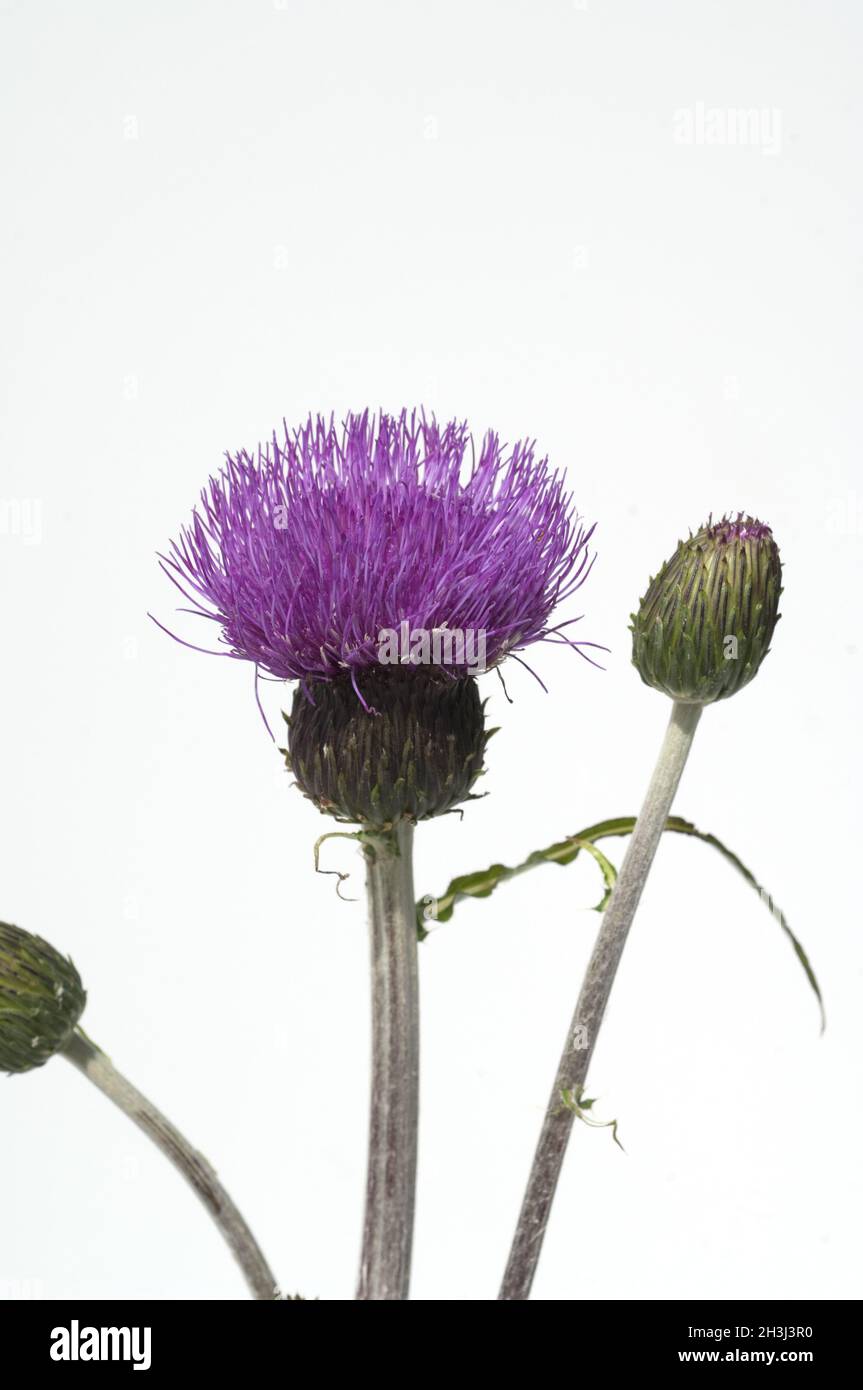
(41, 1000)
(706, 622)
(416, 752)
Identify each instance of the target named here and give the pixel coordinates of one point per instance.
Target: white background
(217, 215)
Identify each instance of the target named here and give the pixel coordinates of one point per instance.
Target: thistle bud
(414, 753)
(41, 1000)
(705, 624)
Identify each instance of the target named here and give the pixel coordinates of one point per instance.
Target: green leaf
(580, 1106)
(563, 852)
(483, 883)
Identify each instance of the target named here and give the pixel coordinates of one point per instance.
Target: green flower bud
(416, 752)
(706, 622)
(41, 1000)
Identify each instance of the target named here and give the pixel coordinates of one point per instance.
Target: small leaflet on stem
(579, 1105)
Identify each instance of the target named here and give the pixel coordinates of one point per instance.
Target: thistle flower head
(41, 1000)
(305, 552)
(706, 622)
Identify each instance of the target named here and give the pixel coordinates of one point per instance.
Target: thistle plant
(41, 1002)
(383, 566)
(700, 634)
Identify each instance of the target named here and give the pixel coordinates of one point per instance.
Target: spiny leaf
(609, 872)
(484, 882)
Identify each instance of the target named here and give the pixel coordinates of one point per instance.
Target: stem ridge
(394, 1110)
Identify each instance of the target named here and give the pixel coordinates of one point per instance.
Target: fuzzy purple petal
(305, 552)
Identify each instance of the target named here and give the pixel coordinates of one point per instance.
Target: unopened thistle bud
(415, 753)
(706, 622)
(41, 1000)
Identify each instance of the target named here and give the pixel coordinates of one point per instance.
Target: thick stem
(99, 1069)
(589, 1011)
(391, 1181)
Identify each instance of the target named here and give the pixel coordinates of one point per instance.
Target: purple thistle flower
(305, 552)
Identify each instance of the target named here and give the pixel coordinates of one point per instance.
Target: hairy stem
(391, 1181)
(589, 1011)
(99, 1069)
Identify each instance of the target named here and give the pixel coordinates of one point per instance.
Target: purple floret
(739, 528)
(305, 551)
